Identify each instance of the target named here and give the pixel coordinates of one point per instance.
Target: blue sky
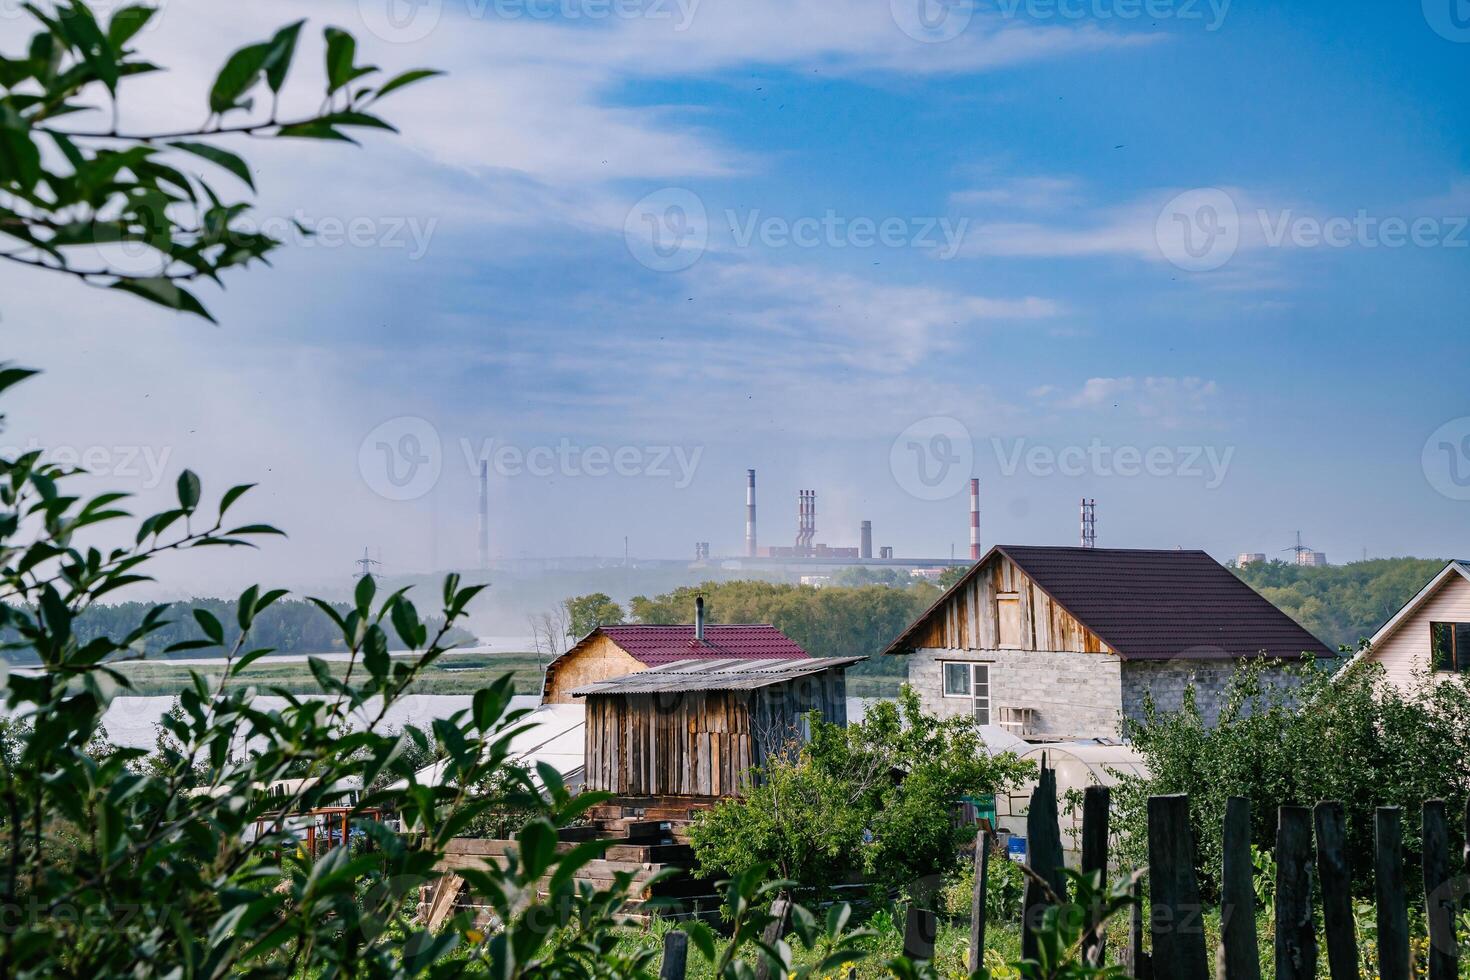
(496, 292)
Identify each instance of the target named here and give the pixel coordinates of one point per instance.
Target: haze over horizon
(628, 257)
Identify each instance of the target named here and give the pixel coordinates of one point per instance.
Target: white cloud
(1164, 400)
(1038, 193)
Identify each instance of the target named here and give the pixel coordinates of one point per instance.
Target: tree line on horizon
(286, 626)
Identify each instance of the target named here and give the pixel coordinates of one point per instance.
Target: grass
(451, 674)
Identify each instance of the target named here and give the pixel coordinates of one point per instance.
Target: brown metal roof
(1154, 605)
(702, 674)
(654, 645)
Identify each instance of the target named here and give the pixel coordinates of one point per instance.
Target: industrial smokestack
(800, 518)
(865, 549)
(699, 619)
(484, 514)
(811, 518)
(750, 513)
(974, 520)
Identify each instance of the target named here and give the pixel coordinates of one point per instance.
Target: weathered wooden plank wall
(699, 743)
(969, 617)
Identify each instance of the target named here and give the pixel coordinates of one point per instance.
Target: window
(971, 681)
(956, 680)
(1449, 646)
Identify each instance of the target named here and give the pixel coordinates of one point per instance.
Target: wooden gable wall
(595, 659)
(968, 617)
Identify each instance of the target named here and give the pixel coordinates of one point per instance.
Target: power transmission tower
(365, 565)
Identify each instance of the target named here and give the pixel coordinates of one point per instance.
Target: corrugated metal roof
(655, 645)
(1155, 605)
(700, 674)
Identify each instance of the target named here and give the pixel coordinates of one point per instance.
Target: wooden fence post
(1439, 896)
(1044, 855)
(1139, 966)
(676, 955)
(772, 934)
(1238, 957)
(1336, 881)
(1296, 935)
(1095, 858)
(977, 900)
(1393, 899)
(1176, 920)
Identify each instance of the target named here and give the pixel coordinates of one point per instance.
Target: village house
(696, 728)
(1430, 634)
(687, 710)
(1061, 643)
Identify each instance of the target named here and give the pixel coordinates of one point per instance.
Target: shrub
(876, 801)
(1351, 737)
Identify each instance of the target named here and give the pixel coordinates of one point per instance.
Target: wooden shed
(695, 727)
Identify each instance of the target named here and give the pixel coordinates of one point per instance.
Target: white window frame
(979, 679)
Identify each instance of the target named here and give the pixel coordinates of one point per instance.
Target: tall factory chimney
(484, 514)
(865, 550)
(750, 513)
(811, 518)
(800, 519)
(974, 519)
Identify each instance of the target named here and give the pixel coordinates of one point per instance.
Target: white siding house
(1437, 619)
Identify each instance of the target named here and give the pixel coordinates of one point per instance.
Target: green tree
(874, 800)
(828, 622)
(951, 575)
(1341, 604)
(67, 186)
(1351, 737)
(587, 612)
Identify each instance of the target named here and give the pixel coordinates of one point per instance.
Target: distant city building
(932, 574)
(886, 551)
(1311, 559)
(1248, 558)
(818, 581)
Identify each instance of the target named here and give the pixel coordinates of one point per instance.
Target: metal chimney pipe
(484, 514)
(699, 619)
(750, 513)
(811, 518)
(974, 519)
(865, 548)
